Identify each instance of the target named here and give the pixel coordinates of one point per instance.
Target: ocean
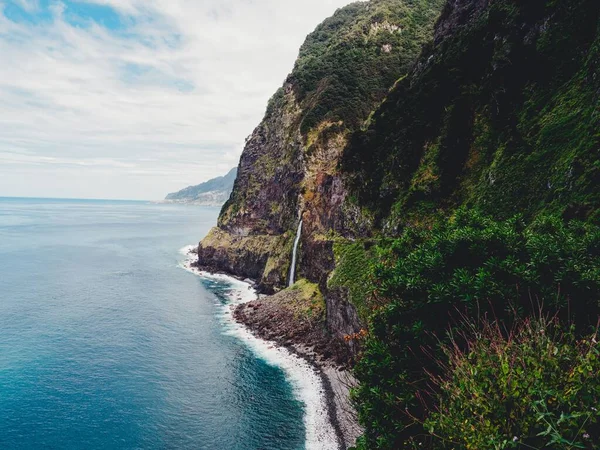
(106, 342)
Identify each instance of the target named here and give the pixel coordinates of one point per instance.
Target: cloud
(158, 94)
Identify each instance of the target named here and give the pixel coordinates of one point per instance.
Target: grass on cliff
(347, 65)
(308, 302)
(354, 265)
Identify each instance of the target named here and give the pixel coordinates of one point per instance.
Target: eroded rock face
(289, 169)
(342, 317)
(265, 195)
(259, 257)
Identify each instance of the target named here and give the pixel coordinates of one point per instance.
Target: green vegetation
(502, 115)
(534, 387)
(344, 70)
(308, 300)
(354, 264)
(470, 266)
(483, 164)
(348, 64)
(480, 169)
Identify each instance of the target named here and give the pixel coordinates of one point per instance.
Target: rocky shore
(294, 319)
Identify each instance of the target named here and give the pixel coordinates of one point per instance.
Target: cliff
(214, 192)
(444, 160)
(481, 172)
(289, 169)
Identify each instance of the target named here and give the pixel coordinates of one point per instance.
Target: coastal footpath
(430, 169)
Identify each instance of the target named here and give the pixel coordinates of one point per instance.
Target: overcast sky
(134, 99)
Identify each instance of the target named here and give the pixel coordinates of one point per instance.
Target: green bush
(468, 266)
(354, 263)
(535, 387)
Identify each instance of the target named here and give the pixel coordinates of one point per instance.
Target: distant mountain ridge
(213, 192)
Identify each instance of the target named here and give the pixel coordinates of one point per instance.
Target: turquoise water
(105, 343)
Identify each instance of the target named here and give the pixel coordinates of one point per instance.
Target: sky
(133, 99)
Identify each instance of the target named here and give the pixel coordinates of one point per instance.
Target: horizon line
(19, 197)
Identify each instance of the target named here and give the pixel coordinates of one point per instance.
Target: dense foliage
(348, 64)
(534, 387)
(469, 266)
(354, 263)
(502, 113)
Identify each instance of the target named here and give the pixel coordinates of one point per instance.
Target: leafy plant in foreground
(469, 266)
(535, 387)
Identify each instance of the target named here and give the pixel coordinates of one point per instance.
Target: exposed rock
(289, 169)
(261, 258)
(265, 195)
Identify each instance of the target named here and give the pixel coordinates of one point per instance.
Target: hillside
(443, 161)
(501, 113)
(289, 167)
(481, 170)
(214, 192)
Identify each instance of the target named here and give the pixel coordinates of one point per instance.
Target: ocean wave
(188, 250)
(306, 382)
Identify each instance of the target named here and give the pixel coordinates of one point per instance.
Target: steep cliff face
(265, 195)
(390, 127)
(499, 117)
(289, 170)
(500, 113)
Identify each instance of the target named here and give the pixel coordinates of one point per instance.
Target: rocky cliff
(289, 169)
(416, 141)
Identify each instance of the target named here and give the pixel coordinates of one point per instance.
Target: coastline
(271, 320)
(317, 387)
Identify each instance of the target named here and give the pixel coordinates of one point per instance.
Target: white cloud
(165, 102)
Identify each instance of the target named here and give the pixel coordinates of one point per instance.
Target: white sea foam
(305, 381)
(188, 250)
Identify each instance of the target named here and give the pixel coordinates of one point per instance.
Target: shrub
(467, 266)
(535, 387)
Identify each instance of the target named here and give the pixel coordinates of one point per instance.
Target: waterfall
(295, 253)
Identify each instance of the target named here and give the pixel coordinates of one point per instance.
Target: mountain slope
(501, 113)
(289, 167)
(499, 117)
(406, 150)
(213, 192)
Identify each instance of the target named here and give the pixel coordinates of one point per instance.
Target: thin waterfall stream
(295, 254)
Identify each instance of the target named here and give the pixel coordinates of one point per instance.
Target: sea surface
(106, 343)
